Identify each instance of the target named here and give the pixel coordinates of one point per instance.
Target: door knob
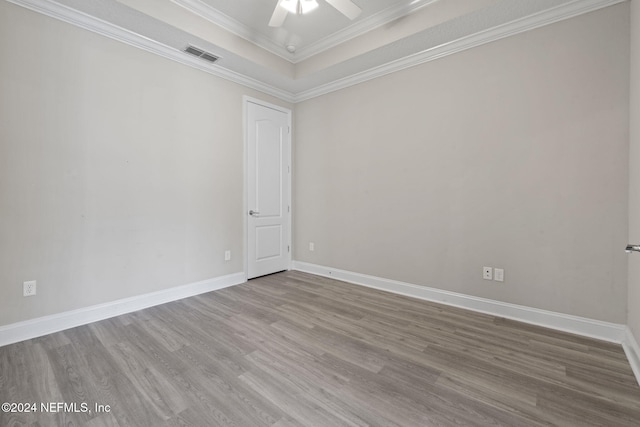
(253, 213)
(632, 248)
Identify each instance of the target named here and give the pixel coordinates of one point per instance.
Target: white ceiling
(332, 52)
(311, 33)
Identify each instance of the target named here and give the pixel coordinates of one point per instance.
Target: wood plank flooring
(294, 349)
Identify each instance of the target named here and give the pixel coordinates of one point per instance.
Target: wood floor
(294, 349)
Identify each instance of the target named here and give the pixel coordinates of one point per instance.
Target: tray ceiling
(309, 34)
(331, 52)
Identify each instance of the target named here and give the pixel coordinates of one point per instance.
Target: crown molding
(88, 22)
(207, 12)
(358, 28)
(82, 20)
(538, 20)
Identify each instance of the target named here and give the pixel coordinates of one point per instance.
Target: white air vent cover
(201, 53)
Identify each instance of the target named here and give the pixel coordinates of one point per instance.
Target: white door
(268, 189)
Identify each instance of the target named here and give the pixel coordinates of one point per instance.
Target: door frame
(245, 186)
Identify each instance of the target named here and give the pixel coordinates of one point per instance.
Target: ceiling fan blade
(346, 7)
(278, 17)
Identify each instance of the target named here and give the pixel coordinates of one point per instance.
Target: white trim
(258, 101)
(33, 328)
(532, 22)
(82, 20)
(207, 12)
(358, 28)
(90, 23)
(605, 331)
(632, 351)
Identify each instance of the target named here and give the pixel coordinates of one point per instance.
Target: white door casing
(268, 187)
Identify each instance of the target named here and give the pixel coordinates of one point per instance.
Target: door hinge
(288, 208)
(288, 248)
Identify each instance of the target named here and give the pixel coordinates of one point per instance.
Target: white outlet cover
(29, 288)
(498, 274)
(312, 246)
(227, 255)
(487, 273)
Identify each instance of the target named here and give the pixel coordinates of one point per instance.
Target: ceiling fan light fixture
(308, 5)
(290, 5)
(299, 7)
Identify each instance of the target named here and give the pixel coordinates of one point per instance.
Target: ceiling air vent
(201, 54)
(208, 57)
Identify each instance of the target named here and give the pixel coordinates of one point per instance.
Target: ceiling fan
(299, 7)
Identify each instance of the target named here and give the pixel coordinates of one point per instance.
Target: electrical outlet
(498, 274)
(227, 255)
(312, 246)
(29, 288)
(487, 273)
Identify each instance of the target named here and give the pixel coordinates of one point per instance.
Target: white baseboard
(632, 351)
(33, 328)
(605, 331)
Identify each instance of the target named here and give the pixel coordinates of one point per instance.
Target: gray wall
(634, 175)
(120, 171)
(511, 155)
